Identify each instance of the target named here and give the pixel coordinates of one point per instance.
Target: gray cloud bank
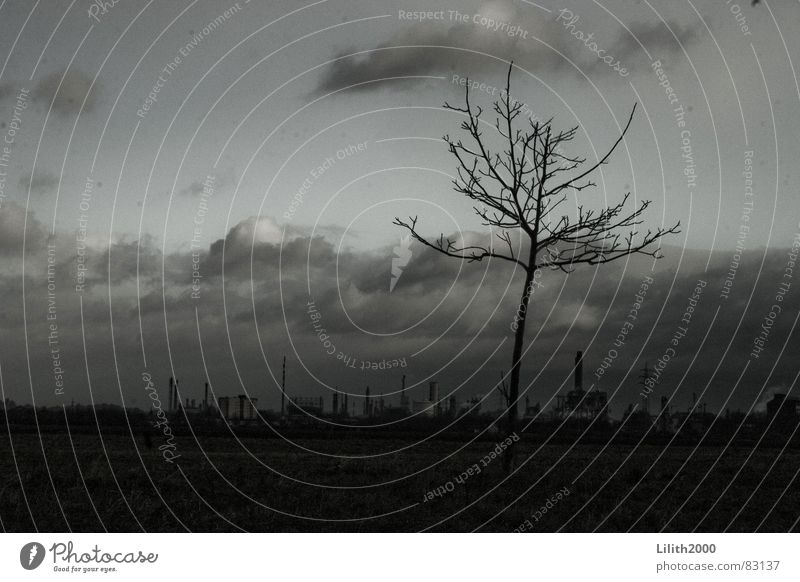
(443, 320)
(564, 42)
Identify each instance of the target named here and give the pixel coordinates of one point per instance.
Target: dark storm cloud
(656, 37)
(41, 182)
(13, 230)
(426, 50)
(65, 92)
(436, 297)
(423, 52)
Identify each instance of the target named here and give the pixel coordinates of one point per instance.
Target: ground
(259, 484)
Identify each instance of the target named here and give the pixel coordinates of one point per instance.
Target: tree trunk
(516, 364)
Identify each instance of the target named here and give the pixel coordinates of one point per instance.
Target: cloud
(6, 90)
(41, 182)
(656, 37)
(444, 317)
(66, 91)
(13, 230)
(420, 51)
(195, 189)
(472, 48)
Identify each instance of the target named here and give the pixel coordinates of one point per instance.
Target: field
(257, 484)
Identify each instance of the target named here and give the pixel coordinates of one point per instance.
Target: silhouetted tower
(205, 398)
(433, 396)
(403, 398)
(346, 407)
(171, 392)
(645, 381)
(177, 399)
(283, 389)
(367, 403)
(665, 413)
(335, 406)
(579, 370)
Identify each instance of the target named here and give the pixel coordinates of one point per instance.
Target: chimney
(205, 398)
(434, 397)
(335, 406)
(579, 370)
(171, 392)
(433, 391)
(283, 388)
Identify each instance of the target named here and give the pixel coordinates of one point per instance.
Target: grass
(271, 485)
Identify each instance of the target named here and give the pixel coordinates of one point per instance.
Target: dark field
(271, 485)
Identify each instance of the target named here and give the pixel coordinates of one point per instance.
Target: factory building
(578, 403)
(783, 408)
(430, 407)
(306, 405)
(531, 410)
(237, 408)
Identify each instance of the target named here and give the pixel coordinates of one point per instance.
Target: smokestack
(205, 398)
(346, 404)
(433, 391)
(367, 403)
(434, 397)
(335, 406)
(176, 400)
(579, 370)
(171, 392)
(283, 389)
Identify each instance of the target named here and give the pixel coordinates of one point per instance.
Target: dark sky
(319, 123)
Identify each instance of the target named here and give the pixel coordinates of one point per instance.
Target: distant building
(430, 407)
(531, 411)
(578, 403)
(424, 407)
(240, 407)
(306, 405)
(783, 407)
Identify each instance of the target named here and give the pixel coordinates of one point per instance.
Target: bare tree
(521, 190)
